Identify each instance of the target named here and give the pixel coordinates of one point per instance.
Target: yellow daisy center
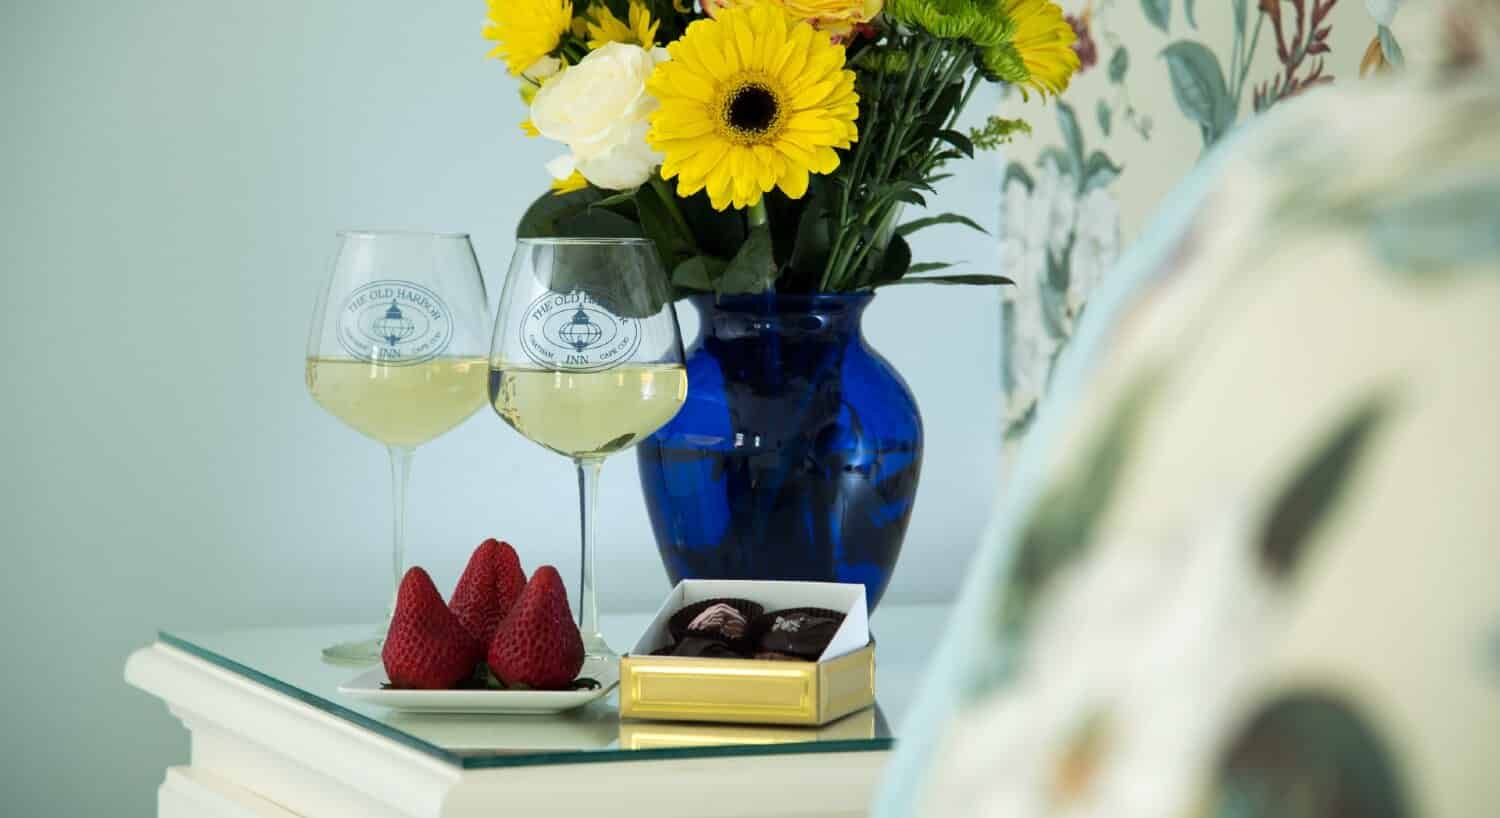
(750, 111)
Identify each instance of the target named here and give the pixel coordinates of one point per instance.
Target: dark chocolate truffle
(681, 622)
(721, 619)
(706, 648)
(803, 632)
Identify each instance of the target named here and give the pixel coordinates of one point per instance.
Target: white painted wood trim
(801, 785)
(274, 735)
(189, 793)
(256, 749)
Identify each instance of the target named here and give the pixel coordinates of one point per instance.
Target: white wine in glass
(399, 406)
(586, 361)
(588, 414)
(396, 352)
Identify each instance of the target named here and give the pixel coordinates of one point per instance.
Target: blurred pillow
(1248, 564)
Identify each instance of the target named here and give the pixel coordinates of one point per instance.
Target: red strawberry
(492, 581)
(538, 645)
(426, 647)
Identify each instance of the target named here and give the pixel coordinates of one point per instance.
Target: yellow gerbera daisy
(526, 30)
(605, 27)
(1040, 53)
(751, 100)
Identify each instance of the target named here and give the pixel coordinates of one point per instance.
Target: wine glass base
(363, 652)
(597, 650)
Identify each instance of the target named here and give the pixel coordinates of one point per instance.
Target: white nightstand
(271, 738)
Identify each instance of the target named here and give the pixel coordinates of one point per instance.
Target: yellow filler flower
(526, 30)
(750, 101)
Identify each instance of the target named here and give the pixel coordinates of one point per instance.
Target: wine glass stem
(400, 473)
(588, 610)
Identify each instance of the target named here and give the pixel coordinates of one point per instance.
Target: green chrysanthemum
(981, 22)
(883, 61)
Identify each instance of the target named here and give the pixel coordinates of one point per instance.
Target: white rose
(599, 109)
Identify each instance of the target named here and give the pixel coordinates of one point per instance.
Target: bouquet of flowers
(767, 144)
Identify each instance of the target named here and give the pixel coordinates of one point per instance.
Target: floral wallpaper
(1162, 82)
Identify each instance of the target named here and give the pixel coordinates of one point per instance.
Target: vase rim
(780, 300)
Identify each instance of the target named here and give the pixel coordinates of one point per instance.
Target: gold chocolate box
(739, 691)
(653, 735)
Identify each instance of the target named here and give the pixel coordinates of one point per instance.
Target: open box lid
(774, 595)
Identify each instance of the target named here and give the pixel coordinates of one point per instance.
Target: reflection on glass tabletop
(288, 660)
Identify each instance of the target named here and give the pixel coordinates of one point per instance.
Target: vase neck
(815, 318)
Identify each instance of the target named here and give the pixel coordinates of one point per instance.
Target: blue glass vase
(797, 453)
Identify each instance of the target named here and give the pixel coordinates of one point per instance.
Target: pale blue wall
(171, 176)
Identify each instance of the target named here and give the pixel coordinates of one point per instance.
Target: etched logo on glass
(576, 332)
(395, 323)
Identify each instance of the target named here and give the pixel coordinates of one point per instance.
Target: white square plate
(368, 687)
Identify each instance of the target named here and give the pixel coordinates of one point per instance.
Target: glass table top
(288, 660)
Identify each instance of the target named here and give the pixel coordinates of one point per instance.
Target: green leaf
(717, 232)
(1118, 65)
(753, 268)
(946, 102)
(814, 241)
(1103, 112)
(784, 217)
(544, 217)
(943, 218)
(1159, 12)
(1015, 170)
(910, 197)
(1199, 88)
(894, 264)
(1316, 488)
(1187, 11)
(928, 266)
(1391, 48)
(658, 223)
(1239, 19)
(958, 140)
(971, 279)
(615, 198)
(699, 273)
(1099, 171)
(1072, 134)
(599, 223)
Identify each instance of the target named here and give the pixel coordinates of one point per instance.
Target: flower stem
(669, 199)
(1239, 83)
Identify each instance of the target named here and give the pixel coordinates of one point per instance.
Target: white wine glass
(586, 361)
(397, 352)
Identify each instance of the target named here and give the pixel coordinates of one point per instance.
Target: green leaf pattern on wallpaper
(1060, 213)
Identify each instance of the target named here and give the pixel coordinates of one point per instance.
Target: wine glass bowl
(397, 353)
(586, 361)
